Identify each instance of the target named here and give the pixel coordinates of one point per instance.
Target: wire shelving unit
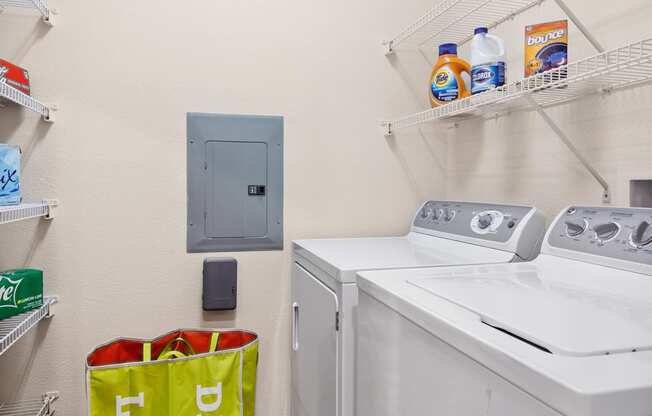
(47, 14)
(12, 94)
(454, 20)
(604, 72)
(14, 213)
(37, 407)
(12, 329)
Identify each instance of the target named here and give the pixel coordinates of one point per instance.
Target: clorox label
(486, 77)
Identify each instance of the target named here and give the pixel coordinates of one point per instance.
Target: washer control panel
(621, 233)
(485, 221)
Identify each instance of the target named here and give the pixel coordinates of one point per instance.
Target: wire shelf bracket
(454, 20)
(14, 328)
(14, 213)
(12, 94)
(38, 407)
(47, 14)
(606, 194)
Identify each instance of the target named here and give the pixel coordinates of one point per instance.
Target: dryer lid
(555, 314)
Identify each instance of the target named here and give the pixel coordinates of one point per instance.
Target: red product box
(15, 76)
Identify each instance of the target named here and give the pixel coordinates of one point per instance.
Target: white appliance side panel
(402, 370)
(314, 346)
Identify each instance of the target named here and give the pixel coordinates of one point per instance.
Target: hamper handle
(168, 352)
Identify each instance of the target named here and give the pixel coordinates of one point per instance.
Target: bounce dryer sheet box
(15, 76)
(546, 47)
(20, 291)
(10, 175)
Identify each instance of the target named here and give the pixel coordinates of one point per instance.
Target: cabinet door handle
(295, 326)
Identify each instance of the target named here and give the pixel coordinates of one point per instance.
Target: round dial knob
(642, 236)
(449, 214)
(425, 212)
(576, 228)
(607, 231)
(437, 214)
(485, 221)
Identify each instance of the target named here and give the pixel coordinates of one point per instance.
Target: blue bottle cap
(448, 49)
(481, 30)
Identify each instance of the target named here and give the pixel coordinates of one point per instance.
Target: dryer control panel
(475, 220)
(619, 233)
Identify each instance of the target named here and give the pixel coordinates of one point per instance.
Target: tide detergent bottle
(450, 77)
(487, 60)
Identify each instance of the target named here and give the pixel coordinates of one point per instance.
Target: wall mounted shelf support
(47, 14)
(606, 195)
(39, 407)
(12, 329)
(13, 213)
(12, 94)
(577, 22)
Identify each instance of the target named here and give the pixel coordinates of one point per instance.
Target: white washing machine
(324, 292)
(569, 333)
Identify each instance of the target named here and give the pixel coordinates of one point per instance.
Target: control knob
(485, 221)
(449, 215)
(642, 236)
(607, 231)
(576, 228)
(437, 214)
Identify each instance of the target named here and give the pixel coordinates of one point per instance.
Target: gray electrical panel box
(220, 288)
(235, 182)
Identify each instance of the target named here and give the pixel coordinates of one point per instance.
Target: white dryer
(569, 333)
(324, 290)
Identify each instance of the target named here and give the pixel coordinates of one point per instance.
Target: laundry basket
(181, 373)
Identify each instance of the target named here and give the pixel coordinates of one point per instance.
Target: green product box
(20, 291)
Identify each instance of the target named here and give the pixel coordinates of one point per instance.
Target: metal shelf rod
(47, 14)
(606, 196)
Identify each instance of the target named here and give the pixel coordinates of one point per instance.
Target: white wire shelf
(12, 94)
(12, 329)
(37, 407)
(47, 14)
(618, 68)
(13, 213)
(454, 21)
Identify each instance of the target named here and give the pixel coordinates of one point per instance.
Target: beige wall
(125, 73)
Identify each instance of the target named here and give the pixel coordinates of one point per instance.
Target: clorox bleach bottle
(487, 60)
(450, 78)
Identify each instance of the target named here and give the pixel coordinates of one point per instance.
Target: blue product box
(10, 175)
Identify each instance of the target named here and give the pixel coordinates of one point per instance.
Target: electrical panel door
(235, 182)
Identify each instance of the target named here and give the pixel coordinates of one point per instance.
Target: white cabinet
(314, 346)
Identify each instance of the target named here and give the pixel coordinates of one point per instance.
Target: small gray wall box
(235, 182)
(220, 284)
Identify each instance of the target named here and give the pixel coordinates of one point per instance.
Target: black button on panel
(256, 190)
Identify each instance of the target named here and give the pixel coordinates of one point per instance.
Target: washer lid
(342, 258)
(553, 314)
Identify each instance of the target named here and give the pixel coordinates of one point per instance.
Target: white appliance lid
(341, 258)
(553, 312)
